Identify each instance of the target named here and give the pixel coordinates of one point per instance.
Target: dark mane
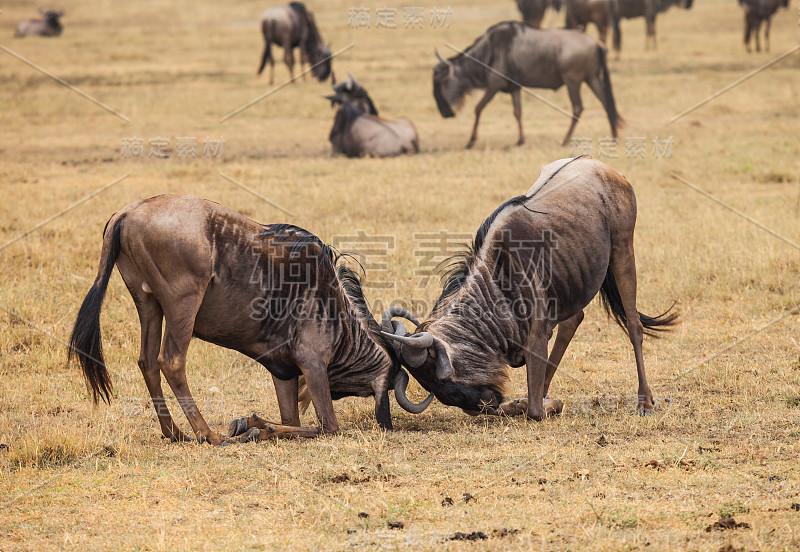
(311, 37)
(494, 40)
(330, 262)
(458, 266)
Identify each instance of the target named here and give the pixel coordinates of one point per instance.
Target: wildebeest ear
(444, 369)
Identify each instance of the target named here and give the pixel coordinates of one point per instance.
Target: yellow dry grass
(727, 381)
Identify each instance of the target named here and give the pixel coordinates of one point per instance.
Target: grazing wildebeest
(358, 131)
(534, 265)
(601, 13)
(291, 26)
(533, 10)
(271, 292)
(513, 54)
(49, 26)
(756, 12)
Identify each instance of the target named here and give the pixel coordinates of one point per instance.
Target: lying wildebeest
(49, 26)
(290, 26)
(756, 12)
(533, 10)
(358, 131)
(535, 264)
(513, 54)
(602, 13)
(271, 292)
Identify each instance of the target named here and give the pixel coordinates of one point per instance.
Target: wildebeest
(513, 54)
(358, 131)
(352, 91)
(756, 12)
(648, 9)
(533, 10)
(271, 292)
(49, 26)
(602, 13)
(534, 264)
(291, 26)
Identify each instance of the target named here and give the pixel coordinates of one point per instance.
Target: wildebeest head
(52, 17)
(447, 90)
(438, 369)
(321, 62)
(352, 91)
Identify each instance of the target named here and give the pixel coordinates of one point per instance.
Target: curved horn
(400, 386)
(421, 340)
(391, 312)
(438, 55)
(443, 367)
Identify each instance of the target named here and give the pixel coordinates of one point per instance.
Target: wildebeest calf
(49, 26)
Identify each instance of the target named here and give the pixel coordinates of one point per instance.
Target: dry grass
(724, 440)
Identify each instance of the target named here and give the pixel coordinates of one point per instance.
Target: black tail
(267, 42)
(614, 117)
(86, 343)
(612, 302)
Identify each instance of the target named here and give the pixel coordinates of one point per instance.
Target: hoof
(552, 407)
(223, 444)
(237, 427)
(251, 435)
(646, 411)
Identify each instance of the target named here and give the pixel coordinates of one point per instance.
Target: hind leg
(288, 59)
(574, 89)
(180, 316)
(150, 316)
(623, 267)
(766, 34)
(516, 101)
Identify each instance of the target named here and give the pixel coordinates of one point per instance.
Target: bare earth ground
(727, 381)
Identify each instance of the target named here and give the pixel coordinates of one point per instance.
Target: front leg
(316, 375)
(536, 364)
(478, 108)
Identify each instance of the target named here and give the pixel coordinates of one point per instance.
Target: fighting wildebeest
(272, 292)
(534, 265)
(533, 10)
(358, 131)
(756, 12)
(513, 54)
(291, 26)
(49, 26)
(601, 13)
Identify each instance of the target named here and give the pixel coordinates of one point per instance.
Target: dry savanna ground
(723, 442)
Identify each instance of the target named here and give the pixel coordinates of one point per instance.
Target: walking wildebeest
(533, 10)
(290, 26)
(272, 292)
(601, 13)
(358, 131)
(513, 54)
(534, 264)
(756, 12)
(49, 26)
